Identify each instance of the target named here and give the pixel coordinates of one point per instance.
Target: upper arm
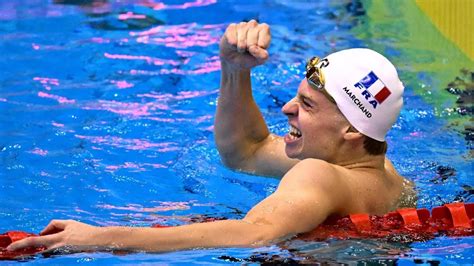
(307, 195)
(268, 158)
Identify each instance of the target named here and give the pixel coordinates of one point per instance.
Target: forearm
(228, 233)
(239, 125)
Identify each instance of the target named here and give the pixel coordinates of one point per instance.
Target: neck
(367, 161)
(357, 157)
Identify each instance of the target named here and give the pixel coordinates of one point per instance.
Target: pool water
(106, 117)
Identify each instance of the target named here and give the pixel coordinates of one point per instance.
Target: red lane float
(403, 225)
(10, 237)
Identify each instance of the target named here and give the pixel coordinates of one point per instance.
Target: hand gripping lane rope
(402, 225)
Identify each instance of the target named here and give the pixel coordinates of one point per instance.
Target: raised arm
(241, 135)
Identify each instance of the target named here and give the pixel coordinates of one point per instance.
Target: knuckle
(231, 26)
(253, 30)
(264, 26)
(28, 241)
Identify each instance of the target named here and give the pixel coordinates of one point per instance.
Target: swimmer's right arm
(242, 137)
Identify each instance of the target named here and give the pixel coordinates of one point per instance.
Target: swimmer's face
(316, 125)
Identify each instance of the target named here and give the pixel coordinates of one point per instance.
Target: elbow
(231, 157)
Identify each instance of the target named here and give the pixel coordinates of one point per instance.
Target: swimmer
(331, 162)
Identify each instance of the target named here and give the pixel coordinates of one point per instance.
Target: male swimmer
(332, 161)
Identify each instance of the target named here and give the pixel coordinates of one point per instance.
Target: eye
(305, 102)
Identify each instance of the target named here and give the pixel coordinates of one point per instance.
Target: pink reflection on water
(413, 135)
(47, 82)
(196, 3)
(3, 100)
(99, 40)
(198, 39)
(95, 188)
(122, 84)
(43, 173)
(60, 99)
(164, 206)
(39, 151)
(13, 10)
(212, 65)
(130, 15)
(129, 165)
(124, 108)
(130, 144)
(184, 112)
(210, 128)
(181, 36)
(126, 165)
(204, 68)
(181, 95)
(148, 59)
(185, 53)
(57, 124)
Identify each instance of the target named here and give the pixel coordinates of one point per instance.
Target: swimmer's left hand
(60, 233)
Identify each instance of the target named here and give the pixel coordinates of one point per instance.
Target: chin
(293, 154)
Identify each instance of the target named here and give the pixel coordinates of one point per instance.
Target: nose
(290, 108)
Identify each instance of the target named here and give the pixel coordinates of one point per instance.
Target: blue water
(107, 119)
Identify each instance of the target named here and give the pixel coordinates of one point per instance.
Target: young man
(332, 160)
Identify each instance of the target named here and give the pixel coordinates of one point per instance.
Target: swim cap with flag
(366, 88)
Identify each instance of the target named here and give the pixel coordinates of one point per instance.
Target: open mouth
(294, 133)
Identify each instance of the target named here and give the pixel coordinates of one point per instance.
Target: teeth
(294, 132)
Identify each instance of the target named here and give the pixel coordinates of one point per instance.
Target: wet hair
(375, 147)
(372, 146)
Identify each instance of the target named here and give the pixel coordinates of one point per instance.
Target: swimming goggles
(315, 76)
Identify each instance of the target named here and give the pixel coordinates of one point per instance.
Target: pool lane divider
(12, 236)
(402, 225)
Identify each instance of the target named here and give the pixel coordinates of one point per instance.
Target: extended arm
(300, 204)
(241, 134)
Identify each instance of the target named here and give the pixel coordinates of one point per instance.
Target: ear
(352, 134)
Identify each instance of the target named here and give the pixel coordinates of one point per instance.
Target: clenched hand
(244, 45)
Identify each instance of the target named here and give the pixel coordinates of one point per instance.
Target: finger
(242, 30)
(55, 226)
(231, 34)
(260, 54)
(264, 36)
(34, 241)
(252, 34)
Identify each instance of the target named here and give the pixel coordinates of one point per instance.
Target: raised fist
(244, 45)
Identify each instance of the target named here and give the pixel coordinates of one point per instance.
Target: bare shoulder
(408, 195)
(316, 175)
(312, 169)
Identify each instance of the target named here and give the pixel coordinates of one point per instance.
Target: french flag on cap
(375, 87)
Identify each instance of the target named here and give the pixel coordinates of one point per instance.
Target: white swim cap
(366, 88)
